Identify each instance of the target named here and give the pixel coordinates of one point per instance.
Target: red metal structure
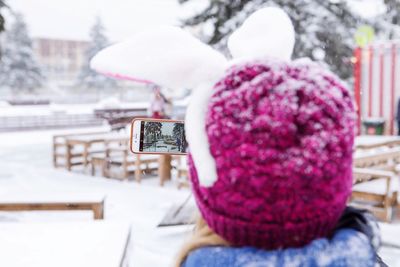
(377, 82)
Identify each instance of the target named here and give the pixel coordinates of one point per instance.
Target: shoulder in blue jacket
(347, 248)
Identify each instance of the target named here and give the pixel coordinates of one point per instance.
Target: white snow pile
(268, 32)
(167, 56)
(109, 103)
(4, 104)
(57, 109)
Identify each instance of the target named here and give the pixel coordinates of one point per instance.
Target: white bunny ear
(268, 32)
(167, 56)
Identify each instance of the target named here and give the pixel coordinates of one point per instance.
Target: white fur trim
(195, 127)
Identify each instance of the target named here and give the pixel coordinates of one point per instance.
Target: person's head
(157, 92)
(156, 89)
(270, 138)
(281, 135)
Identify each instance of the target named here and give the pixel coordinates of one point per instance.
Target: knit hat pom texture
(281, 135)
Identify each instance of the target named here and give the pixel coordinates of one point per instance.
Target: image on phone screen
(162, 137)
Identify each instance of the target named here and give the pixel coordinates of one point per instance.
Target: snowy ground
(26, 168)
(41, 110)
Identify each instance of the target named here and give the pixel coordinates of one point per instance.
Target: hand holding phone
(157, 136)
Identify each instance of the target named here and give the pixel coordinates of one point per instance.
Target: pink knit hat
(270, 139)
(281, 135)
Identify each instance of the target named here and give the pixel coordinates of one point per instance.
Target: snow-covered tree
(393, 11)
(388, 23)
(19, 70)
(324, 29)
(2, 4)
(2, 21)
(88, 78)
(177, 131)
(152, 130)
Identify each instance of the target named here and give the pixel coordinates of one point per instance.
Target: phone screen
(162, 137)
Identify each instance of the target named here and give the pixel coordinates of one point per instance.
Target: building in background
(61, 59)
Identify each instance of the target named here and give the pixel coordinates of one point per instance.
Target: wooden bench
(375, 190)
(377, 174)
(60, 149)
(382, 160)
(126, 163)
(365, 142)
(88, 145)
(119, 118)
(183, 173)
(54, 203)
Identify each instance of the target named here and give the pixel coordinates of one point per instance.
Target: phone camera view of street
(164, 137)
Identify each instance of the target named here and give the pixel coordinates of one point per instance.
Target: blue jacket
(346, 248)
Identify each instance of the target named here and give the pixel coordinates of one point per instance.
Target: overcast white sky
(71, 19)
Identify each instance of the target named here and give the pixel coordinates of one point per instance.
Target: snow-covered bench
(376, 141)
(119, 162)
(88, 142)
(99, 244)
(376, 190)
(183, 174)
(66, 202)
(382, 160)
(377, 181)
(60, 149)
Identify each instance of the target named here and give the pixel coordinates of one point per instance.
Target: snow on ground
(390, 252)
(42, 110)
(26, 168)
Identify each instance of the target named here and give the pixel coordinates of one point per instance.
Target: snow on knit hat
(270, 139)
(281, 135)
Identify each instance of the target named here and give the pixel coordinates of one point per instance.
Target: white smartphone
(157, 136)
